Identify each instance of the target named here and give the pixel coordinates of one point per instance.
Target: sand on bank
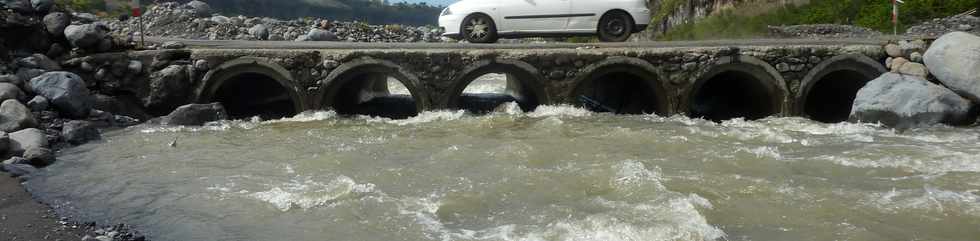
(23, 218)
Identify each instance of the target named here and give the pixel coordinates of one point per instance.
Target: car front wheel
(479, 28)
(615, 27)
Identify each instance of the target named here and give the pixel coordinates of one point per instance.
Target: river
(558, 173)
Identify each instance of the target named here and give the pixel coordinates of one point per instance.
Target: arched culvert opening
(484, 89)
(622, 89)
(373, 90)
(735, 91)
(252, 94)
(830, 89)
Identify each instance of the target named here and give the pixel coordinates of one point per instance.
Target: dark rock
(169, 88)
(904, 101)
(100, 119)
(10, 91)
(42, 6)
(38, 103)
(39, 61)
(39, 157)
(56, 50)
(12, 79)
(4, 142)
(19, 170)
(26, 139)
(85, 17)
(66, 91)
(14, 116)
(28, 73)
(955, 60)
(123, 105)
(79, 132)
(124, 121)
(201, 9)
(89, 37)
(195, 114)
(20, 6)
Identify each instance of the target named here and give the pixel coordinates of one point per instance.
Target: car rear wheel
(615, 26)
(479, 28)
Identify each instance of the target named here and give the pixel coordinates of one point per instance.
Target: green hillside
(874, 14)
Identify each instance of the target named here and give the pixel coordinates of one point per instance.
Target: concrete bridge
(713, 80)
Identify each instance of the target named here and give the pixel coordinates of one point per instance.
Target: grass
(873, 14)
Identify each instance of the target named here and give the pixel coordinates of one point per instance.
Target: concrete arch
(228, 73)
(835, 82)
(732, 88)
(350, 72)
(637, 94)
(524, 82)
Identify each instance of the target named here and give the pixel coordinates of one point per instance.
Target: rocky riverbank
(927, 85)
(195, 20)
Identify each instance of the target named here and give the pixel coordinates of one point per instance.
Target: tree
(977, 13)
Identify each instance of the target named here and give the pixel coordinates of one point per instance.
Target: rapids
(558, 173)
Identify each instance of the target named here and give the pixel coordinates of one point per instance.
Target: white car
(484, 21)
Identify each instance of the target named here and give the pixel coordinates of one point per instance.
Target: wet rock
(39, 61)
(56, 50)
(79, 132)
(20, 6)
(89, 37)
(38, 103)
(17, 160)
(201, 65)
(916, 57)
(14, 116)
(19, 170)
(42, 6)
(10, 91)
(26, 139)
(955, 60)
(195, 114)
(909, 47)
(201, 9)
(39, 157)
(85, 17)
(135, 67)
(56, 22)
(169, 88)
(66, 91)
(260, 32)
(904, 101)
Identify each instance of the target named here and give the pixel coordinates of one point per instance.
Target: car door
(533, 15)
(584, 14)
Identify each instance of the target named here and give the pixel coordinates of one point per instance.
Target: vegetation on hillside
(874, 14)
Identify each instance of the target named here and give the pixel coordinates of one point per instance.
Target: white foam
(307, 194)
(308, 116)
(559, 110)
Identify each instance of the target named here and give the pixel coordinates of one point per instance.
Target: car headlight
(446, 12)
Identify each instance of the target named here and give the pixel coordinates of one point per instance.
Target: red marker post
(895, 14)
(138, 13)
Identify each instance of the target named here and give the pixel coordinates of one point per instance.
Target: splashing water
(558, 173)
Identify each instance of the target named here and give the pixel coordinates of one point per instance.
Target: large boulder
(905, 101)
(195, 114)
(89, 37)
(10, 91)
(169, 88)
(14, 116)
(259, 31)
(26, 139)
(39, 157)
(78, 132)
(954, 59)
(66, 91)
(125, 105)
(319, 35)
(56, 23)
(200, 9)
